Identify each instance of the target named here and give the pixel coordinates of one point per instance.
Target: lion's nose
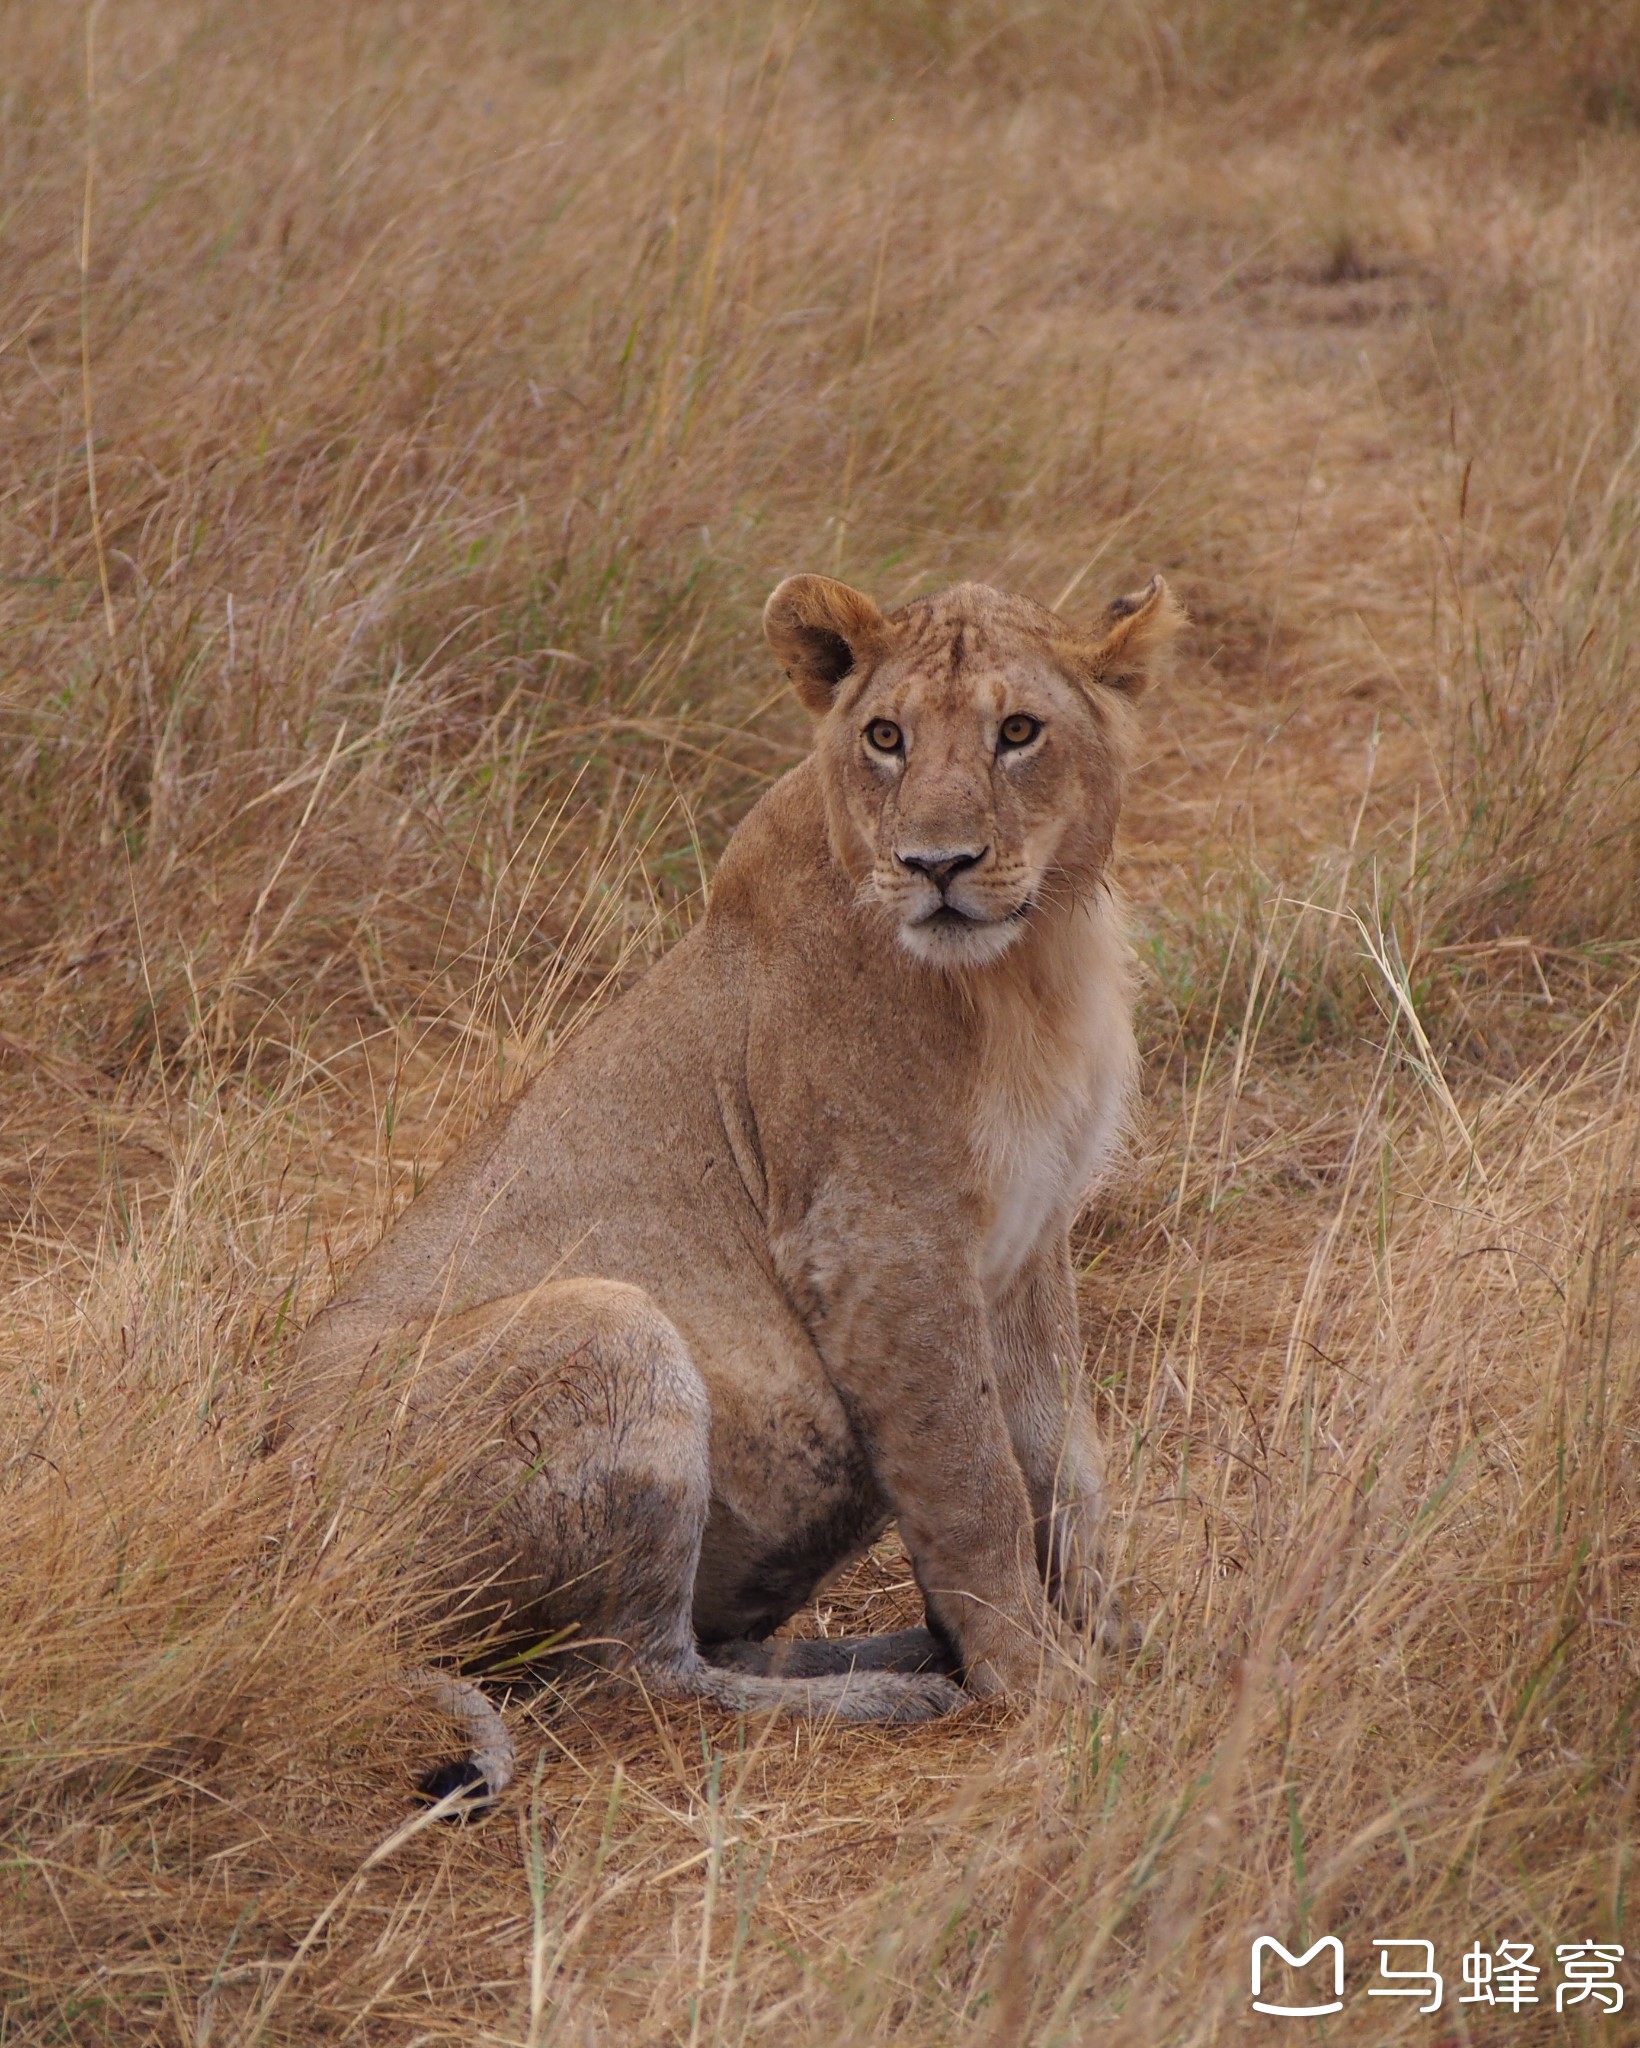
(944, 864)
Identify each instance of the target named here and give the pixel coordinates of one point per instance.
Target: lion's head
(971, 747)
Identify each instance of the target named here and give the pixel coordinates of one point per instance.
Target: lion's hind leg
(567, 1433)
(578, 1429)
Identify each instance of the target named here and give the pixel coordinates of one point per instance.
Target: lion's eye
(1019, 730)
(884, 735)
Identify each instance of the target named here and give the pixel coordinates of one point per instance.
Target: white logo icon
(1327, 1941)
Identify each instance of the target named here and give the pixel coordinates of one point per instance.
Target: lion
(775, 1251)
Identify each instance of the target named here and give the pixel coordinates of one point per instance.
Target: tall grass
(406, 412)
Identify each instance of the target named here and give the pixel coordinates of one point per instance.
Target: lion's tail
(857, 1694)
(485, 1772)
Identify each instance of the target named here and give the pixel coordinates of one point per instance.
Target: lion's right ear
(820, 630)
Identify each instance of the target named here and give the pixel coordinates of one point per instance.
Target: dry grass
(378, 678)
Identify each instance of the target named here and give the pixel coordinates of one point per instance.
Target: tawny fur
(776, 1252)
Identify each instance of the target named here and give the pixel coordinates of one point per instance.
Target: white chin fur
(942, 943)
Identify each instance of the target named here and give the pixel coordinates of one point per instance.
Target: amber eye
(1019, 730)
(884, 735)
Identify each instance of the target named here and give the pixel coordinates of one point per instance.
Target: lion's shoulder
(777, 865)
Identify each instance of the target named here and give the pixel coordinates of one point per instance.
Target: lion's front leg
(915, 1369)
(1039, 1354)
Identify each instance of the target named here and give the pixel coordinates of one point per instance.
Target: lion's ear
(1137, 631)
(819, 630)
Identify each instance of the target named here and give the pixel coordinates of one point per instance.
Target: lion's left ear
(1138, 632)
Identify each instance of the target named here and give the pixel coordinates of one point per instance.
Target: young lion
(775, 1252)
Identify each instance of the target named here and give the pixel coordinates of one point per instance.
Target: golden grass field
(404, 411)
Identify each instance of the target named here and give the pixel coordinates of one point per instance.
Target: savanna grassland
(404, 411)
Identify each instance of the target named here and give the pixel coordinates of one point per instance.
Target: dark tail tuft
(461, 1775)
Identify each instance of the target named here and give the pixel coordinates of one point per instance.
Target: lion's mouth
(950, 936)
(948, 917)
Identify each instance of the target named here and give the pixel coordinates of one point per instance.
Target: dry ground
(404, 410)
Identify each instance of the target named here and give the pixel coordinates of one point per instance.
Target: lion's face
(971, 748)
(973, 778)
